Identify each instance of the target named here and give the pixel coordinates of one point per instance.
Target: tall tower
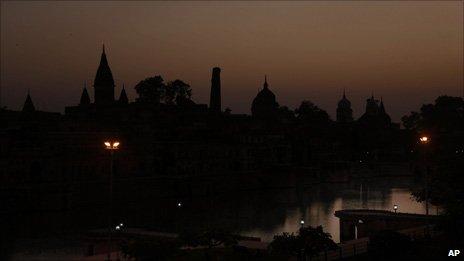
(104, 83)
(215, 97)
(344, 111)
(372, 106)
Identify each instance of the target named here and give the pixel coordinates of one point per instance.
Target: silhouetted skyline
(407, 52)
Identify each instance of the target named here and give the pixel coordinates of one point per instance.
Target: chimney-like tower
(215, 98)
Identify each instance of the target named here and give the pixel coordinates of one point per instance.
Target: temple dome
(264, 104)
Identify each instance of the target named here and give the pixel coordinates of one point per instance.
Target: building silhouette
(28, 104)
(375, 116)
(344, 111)
(104, 82)
(123, 99)
(215, 96)
(264, 105)
(85, 98)
(182, 138)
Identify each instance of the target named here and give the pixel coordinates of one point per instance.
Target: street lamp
(302, 223)
(424, 140)
(395, 207)
(112, 146)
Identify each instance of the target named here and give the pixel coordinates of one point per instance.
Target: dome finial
(265, 81)
(103, 48)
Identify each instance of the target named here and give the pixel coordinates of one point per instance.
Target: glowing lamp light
(179, 204)
(302, 222)
(424, 139)
(111, 145)
(395, 207)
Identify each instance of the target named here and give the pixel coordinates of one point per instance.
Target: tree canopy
(307, 112)
(445, 115)
(309, 241)
(154, 90)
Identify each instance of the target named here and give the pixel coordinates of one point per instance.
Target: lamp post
(112, 146)
(424, 140)
(395, 207)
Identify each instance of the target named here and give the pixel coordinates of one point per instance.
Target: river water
(259, 213)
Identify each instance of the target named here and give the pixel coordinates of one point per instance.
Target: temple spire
(382, 107)
(28, 104)
(265, 81)
(344, 96)
(104, 82)
(123, 96)
(85, 98)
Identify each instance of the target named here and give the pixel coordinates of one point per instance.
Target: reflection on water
(320, 211)
(258, 213)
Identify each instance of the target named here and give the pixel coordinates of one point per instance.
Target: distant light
(179, 204)
(360, 161)
(424, 139)
(118, 227)
(121, 225)
(111, 145)
(302, 222)
(360, 221)
(395, 207)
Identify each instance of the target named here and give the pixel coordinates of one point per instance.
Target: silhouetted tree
(210, 238)
(445, 115)
(151, 90)
(285, 113)
(443, 121)
(177, 91)
(308, 242)
(309, 113)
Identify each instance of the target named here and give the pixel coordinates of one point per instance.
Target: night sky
(407, 52)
